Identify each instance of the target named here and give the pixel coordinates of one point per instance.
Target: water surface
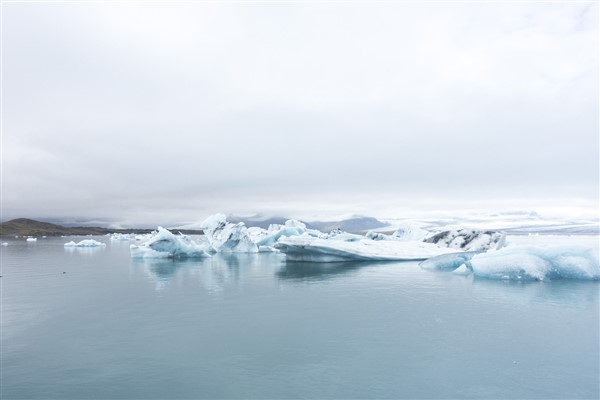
(92, 323)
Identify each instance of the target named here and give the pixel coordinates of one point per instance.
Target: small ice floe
(85, 243)
(309, 249)
(31, 239)
(120, 237)
(5, 244)
(164, 244)
(468, 239)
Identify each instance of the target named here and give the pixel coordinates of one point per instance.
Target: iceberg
(291, 228)
(537, 263)
(522, 263)
(119, 237)
(225, 237)
(311, 249)
(410, 232)
(85, 243)
(164, 244)
(468, 239)
(31, 240)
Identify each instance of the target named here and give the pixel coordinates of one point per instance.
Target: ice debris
(522, 263)
(468, 239)
(164, 244)
(376, 236)
(225, 237)
(85, 243)
(120, 237)
(310, 249)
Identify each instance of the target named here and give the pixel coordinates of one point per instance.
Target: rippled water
(92, 323)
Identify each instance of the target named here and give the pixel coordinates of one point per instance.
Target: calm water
(252, 326)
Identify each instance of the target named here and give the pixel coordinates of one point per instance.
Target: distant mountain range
(354, 224)
(30, 227)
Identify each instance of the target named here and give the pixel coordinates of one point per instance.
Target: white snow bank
(164, 244)
(468, 239)
(309, 249)
(523, 263)
(225, 237)
(85, 243)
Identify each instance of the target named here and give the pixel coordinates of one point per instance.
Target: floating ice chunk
(310, 249)
(292, 227)
(226, 237)
(448, 262)
(164, 244)
(468, 240)
(119, 237)
(31, 239)
(410, 232)
(5, 244)
(85, 243)
(537, 263)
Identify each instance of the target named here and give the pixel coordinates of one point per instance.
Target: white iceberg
(5, 244)
(338, 234)
(310, 249)
(225, 237)
(522, 263)
(85, 243)
(468, 239)
(537, 263)
(120, 237)
(31, 240)
(410, 232)
(164, 244)
(291, 228)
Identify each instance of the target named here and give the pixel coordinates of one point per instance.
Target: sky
(146, 113)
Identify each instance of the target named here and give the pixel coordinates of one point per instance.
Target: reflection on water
(565, 292)
(213, 273)
(83, 250)
(318, 271)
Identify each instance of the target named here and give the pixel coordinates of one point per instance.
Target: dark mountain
(30, 227)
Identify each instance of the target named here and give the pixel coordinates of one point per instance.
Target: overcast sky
(154, 113)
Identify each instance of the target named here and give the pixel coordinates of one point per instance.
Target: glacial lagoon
(95, 323)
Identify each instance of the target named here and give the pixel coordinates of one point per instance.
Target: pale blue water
(252, 326)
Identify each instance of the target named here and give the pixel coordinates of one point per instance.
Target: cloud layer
(141, 111)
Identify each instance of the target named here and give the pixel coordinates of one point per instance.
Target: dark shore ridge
(30, 227)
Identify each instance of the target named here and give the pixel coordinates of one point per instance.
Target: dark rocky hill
(30, 227)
